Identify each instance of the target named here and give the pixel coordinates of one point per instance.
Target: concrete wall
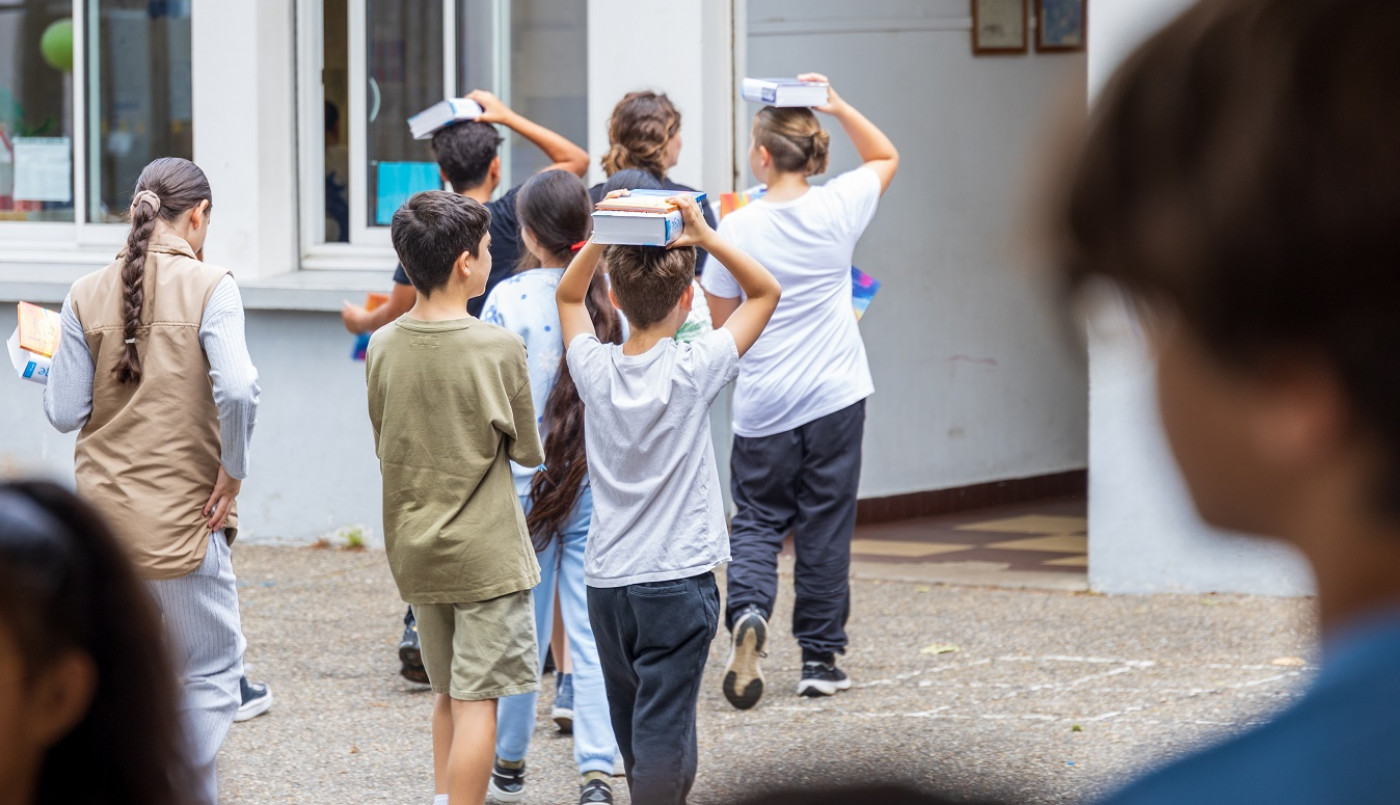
(313, 468)
(976, 378)
(1144, 534)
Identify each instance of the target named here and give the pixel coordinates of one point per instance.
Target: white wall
(1144, 534)
(976, 375)
(312, 466)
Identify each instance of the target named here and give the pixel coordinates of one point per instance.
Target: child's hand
(493, 109)
(696, 230)
(833, 102)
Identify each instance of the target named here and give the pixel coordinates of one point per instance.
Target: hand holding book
(833, 101)
(696, 230)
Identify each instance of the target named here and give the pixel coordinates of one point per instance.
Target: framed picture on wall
(1060, 25)
(998, 26)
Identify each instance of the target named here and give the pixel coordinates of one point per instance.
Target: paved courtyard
(1038, 696)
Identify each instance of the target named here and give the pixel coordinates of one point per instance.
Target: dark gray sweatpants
(802, 481)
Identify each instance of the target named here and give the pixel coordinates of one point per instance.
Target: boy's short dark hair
(464, 152)
(432, 230)
(1238, 172)
(648, 280)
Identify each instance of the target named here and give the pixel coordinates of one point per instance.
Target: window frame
(369, 247)
(34, 241)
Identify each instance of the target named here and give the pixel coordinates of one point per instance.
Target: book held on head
(641, 218)
(785, 92)
(443, 114)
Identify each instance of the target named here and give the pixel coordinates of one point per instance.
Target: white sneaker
(743, 676)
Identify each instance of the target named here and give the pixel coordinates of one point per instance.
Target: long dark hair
(554, 206)
(65, 586)
(166, 189)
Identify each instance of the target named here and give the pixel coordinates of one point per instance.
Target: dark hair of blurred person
(87, 695)
(1241, 181)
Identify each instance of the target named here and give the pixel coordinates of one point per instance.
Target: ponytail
(144, 209)
(554, 490)
(166, 189)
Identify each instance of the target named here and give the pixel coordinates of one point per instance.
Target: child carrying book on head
(658, 529)
(799, 405)
(554, 213)
(449, 399)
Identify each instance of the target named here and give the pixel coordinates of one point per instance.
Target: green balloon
(57, 45)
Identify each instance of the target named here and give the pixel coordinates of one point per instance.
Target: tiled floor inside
(1043, 544)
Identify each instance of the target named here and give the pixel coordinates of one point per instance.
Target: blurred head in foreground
(87, 697)
(1240, 179)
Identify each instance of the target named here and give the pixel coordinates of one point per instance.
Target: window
(368, 65)
(90, 91)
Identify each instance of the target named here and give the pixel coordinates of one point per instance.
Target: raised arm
(761, 289)
(563, 153)
(875, 149)
(358, 320)
(573, 290)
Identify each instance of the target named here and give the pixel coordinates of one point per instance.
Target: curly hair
(641, 125)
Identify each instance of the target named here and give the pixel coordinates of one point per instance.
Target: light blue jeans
(562, 562)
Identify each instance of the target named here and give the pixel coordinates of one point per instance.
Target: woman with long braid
(153, 371)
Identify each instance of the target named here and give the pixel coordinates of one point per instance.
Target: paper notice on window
(43, 169)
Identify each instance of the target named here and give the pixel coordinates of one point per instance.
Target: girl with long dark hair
(554, 211)
(87, 693)
(153, 372)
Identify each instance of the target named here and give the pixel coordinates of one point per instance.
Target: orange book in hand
(39, 329)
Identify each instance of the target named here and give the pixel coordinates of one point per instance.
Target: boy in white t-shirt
(799, 405)
(658, 528)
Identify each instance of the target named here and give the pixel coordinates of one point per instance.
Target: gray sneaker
(743, 676)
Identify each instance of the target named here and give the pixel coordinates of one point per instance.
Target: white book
(443, 114)
(636, 228)
(785, 92)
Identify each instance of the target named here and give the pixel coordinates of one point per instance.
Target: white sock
(440, 799)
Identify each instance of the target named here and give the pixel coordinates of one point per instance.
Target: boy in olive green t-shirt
(449, 398)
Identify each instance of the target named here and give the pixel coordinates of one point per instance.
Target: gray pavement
(1041, 696)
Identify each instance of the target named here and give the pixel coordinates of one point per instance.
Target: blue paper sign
(399, 180)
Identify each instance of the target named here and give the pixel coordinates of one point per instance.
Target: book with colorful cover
(34, 342)
(373, 301)
(636, 228)
(863, 290)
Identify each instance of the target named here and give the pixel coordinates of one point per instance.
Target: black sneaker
(411, 653)
(257, 699)
(822, 679)
(743, 677)
(507, 785)
(595, 791)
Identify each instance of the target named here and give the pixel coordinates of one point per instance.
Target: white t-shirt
(809, 361)
(658, 513)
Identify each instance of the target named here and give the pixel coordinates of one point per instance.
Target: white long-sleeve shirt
(68, 395)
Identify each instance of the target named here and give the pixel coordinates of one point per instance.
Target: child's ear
(495, 170)
(442, 176)
(463, 265)
(613, 298)
(687, 297)
(764, 157)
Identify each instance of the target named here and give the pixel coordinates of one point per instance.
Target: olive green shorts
(481, 650)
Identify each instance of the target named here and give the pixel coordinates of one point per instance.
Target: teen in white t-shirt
(799, 406)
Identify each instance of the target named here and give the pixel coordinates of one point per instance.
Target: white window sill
(320, 290)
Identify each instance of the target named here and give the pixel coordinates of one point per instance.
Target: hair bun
(146, 197)
(820, 153)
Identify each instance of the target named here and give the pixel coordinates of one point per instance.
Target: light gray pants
(205, 635)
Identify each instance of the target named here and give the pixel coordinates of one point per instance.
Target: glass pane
(36, 111)
(335, 88)
(404, 43)
(548, 75)
(139, 96)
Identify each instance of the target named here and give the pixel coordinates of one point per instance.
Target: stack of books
(443, 114)
(785, 92)
(34, 342)
(641, 218)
